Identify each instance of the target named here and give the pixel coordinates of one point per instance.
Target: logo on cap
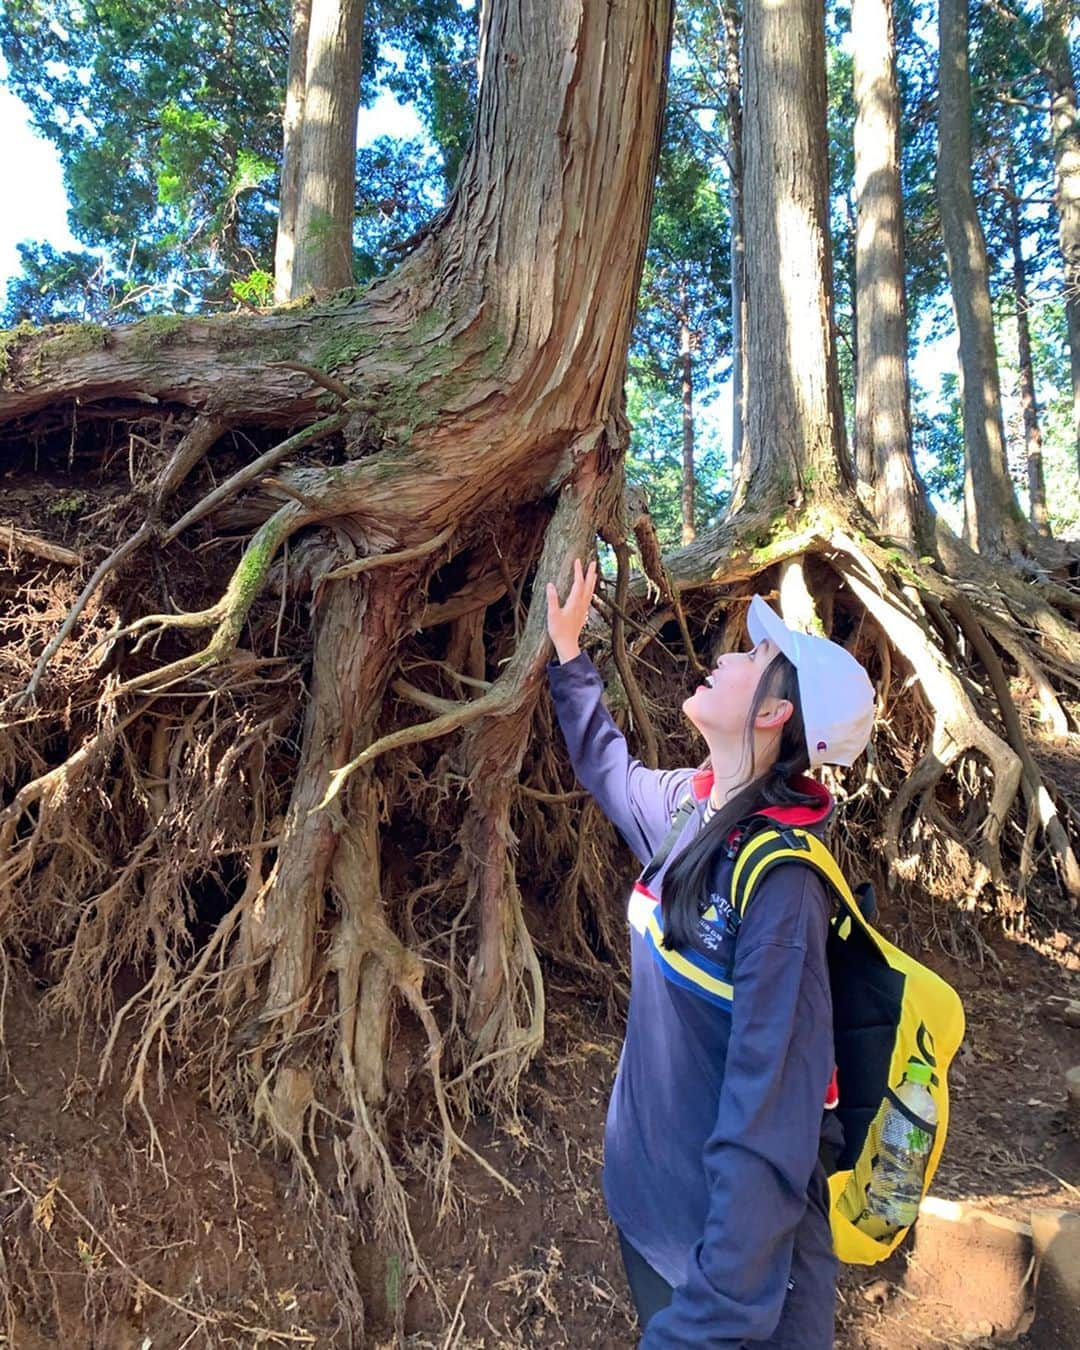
(822, 745)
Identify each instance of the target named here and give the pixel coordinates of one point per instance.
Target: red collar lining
(702, 782)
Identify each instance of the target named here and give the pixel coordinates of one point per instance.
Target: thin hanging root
(525, 1042)
(490, 704)
(233, 608)
(652, 564)
(250, 472)
(958, 726)
(365, 933)
(110, 564)
(1053, 714)
(410, 989)
(45, 788)
(195, 444)
(205, 1320)
(351, 569)
(1038, 799)
(168, 1000)
(650, 751)
(229, 613)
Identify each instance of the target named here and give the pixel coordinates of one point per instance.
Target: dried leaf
(45, 1206)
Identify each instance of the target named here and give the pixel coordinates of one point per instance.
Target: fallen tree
(274, 738)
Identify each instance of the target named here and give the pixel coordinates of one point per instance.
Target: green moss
(416, 374)
(10, 338)
(344, 347)
(74, 339)
(157, 330)
(496, 345)
(248, 577)
(67, 504)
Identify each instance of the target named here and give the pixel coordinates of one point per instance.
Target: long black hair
(686, 885)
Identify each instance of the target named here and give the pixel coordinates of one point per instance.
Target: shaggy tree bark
(292, 139)
(686, 383)
(733, 83)
(326, 174)
(994, 524)
(794, 418)
(1029, 403)
(1065, 129)
(882, 402)
(482, 379)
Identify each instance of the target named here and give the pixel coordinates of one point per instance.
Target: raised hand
(565, 621)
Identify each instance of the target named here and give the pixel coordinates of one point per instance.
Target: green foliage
(67, 504)
(1050, 354)
(55, 284)
(430, 61)
(400, 185)
(168, 125)
(654, 461)
(938, 440)
(257, 288)
(685, 296)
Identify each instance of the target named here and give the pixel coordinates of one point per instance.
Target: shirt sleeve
(761, 1155)
(638, 801)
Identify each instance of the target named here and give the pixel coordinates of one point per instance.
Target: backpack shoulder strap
(770, 848)
(679, 818)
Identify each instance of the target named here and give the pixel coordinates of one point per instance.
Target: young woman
(711, 1170)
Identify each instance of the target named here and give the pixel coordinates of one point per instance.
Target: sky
(40, 214)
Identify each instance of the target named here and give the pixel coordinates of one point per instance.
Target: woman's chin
(688, 711)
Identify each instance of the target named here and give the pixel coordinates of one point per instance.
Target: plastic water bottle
(903, 1152)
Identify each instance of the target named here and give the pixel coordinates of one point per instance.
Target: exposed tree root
(339, 913)
(12, 538)
(343, 912)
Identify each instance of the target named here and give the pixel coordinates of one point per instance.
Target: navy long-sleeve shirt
(714, 1122)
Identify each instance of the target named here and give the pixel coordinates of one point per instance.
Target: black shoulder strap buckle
(679, 818)
(795, 838)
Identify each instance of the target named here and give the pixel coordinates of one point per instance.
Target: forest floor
(100, 1249)
(227, 1237)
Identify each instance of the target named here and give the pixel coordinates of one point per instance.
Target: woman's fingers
(590, 582)
(578, 598)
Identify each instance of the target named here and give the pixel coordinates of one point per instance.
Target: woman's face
(720, 706)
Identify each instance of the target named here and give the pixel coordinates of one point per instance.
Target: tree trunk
(292, 139)
(1065, 129)
(686, 363)
(882, 402)
(993, 521)
(326, 179)
(1028, 401)
(795, 445)
(733, 83)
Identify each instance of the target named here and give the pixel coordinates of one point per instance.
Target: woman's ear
(773, 714)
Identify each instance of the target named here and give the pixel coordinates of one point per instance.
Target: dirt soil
(100, 1250)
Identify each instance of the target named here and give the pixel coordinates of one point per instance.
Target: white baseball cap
(835, 692)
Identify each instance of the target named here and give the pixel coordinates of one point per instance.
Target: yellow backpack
(888, 1010)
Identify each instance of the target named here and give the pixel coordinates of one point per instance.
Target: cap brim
(762, 621)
